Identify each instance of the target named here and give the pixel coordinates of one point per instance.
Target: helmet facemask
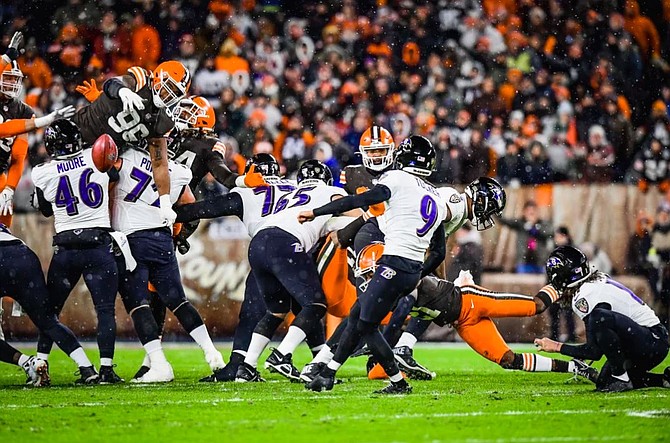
(488, 199)
(373, 160)
(186, 113)
(166, 91)
(11, 82)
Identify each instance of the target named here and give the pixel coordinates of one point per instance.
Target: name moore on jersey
(412, 214)
(77, 191)
(135, 199)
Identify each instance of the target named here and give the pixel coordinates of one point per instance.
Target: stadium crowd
(530, 91)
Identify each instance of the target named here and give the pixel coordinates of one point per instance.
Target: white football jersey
(77, 191)
(456, 203)
(259, 203)
(135, 197)
(619, 297)
(305, 197)
(412, 214)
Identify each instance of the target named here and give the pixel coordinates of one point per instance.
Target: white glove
(6, 205)
(46, 120)
(13, 48)
(16, 40)
(131, 100)
(167, 214)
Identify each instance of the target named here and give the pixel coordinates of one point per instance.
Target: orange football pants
(475, 326)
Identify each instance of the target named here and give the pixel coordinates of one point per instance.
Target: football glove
(374, 210)
(166, 212)
(131, 100)
(46, 120)
(253, 179)
(6, 201)
(13, 48)
(89, 90)
(424, 313)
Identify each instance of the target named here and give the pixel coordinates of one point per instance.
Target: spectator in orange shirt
(643, 30)
(35, 67)
(228, 60)
(146, 43)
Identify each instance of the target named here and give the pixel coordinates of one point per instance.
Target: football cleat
(616, 385)
(158, 373)
(584, 370)
(140, 372)
(248, 374)
(282, 364)
(398, 388)
(666, 377)
(407, 364)
(227, 373)
(321, 383)
(37, 371)
(363, 350)
(87, 376)
(108, 376)
(310, 371)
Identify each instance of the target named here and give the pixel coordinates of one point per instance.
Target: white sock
(571, 367)
(241, 352)
(293, 338)
(256, 347)
(406, 339)
(317, 349)
(43, 356)
(79, 357)
(155, 352)
(334, 365)
(147, 361)
(325, 355)
(622, 377)
(396, 378)
(536, 363)
(106, 362)
(22, 359)
(202, 338)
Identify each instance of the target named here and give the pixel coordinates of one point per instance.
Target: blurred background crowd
(528, 91)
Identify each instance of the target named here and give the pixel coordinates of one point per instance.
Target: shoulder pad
(140, 75)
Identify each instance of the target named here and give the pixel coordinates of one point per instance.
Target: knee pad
(268, 325)
(309, 316)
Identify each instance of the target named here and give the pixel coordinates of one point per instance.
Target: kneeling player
(618, 323)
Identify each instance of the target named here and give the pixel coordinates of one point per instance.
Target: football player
(70, 188)
(12, 53)
(413, 216)
(482, 199)
(13, 149)
(269, 213)
(21, 277)
(618, 323)
(135, 108)
(136, 212)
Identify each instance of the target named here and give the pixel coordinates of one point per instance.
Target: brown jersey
(440, 295)
(202, 153)
(355, 176)
(107, 116)
(9, 110)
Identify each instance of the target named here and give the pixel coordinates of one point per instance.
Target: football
(104, 153)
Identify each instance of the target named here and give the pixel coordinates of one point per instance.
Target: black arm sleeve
(375, 195)
(44, 206)
(112, 87)
(588, 350)
(229, 204)
(217, 166)
(438, 251)
(346, 235)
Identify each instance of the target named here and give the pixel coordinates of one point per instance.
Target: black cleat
(399, 388)
(225, 374)
(87, 376)
(666, 377)
(321, 383)
(403, 356)
(616, 385)
(247, 374)
(310, 371)
(108, 376)
(584, 370)
(363, 350)
(140, 372)
(282, 364)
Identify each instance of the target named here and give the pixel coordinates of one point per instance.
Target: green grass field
(472, 400)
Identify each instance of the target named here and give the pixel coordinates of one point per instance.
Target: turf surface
(472, 400)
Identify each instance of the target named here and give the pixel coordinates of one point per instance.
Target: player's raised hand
(306, 216)
(13, 48)
(131, 101)
(253, 179)
(548, 345)
(65, 112)
(89, 90)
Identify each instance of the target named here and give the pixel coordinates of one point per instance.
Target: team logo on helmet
(554, 262)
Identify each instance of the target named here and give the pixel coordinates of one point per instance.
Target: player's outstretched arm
(161, 173)
(12, 50)
(222, 205)
(378, 194)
